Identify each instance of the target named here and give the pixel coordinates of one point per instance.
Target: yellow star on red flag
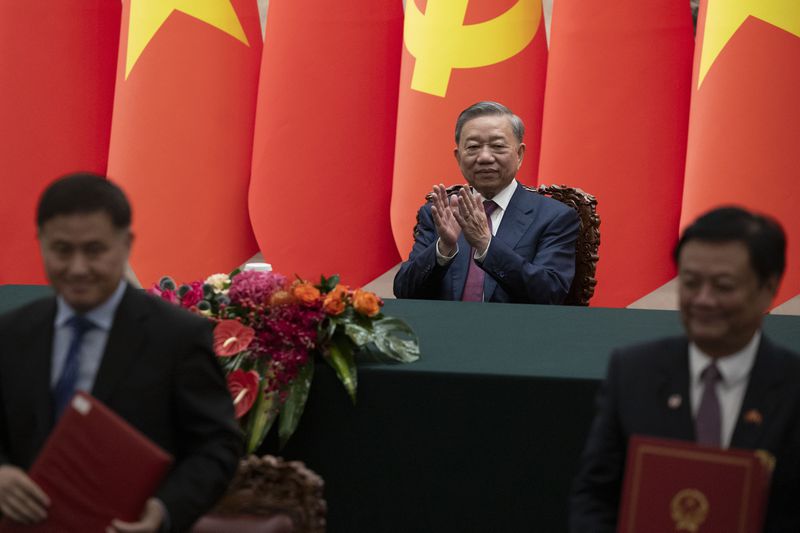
(723, 18)
(147, 16)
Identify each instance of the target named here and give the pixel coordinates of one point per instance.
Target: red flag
(744, 130)
(322, 157)
(182, 133)
(57, 60)
(615, 122)
(456, 54)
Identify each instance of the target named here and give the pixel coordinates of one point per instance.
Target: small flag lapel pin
(674, 401)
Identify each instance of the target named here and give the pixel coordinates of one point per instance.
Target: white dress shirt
(735, 371)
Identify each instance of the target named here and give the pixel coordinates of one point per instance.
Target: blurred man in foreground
(494, 241)
(725, 384)
(149, 361)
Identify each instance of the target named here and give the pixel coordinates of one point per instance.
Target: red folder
(94, 467)
(675, 486)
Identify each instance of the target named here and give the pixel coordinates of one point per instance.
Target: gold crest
(766, 459)
(689, 509)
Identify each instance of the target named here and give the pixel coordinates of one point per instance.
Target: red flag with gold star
(57, 61)
(322, 156)
(744, 130)
(181, 137)
(615, 123)
(456, 54)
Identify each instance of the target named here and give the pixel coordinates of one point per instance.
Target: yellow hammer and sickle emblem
(440, 41)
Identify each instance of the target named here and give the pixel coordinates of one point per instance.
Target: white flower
(219, 283)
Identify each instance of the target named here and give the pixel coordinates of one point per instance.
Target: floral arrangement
(268, 330)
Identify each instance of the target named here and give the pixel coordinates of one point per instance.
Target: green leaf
(395, 340)
(261, 418)
(359, 334)
(340, 357)
(295, 403)
(326, 285)
(325, 331)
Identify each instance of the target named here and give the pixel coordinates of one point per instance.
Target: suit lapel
(674, 396)
(516, 221)
(35, 367)
(124, 344)
(760, 400)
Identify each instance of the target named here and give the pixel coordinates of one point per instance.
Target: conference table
(483, 433)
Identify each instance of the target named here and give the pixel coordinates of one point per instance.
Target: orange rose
(306, 293)
(367, 303)
(336, 301)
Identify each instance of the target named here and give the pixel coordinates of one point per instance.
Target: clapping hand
(471, 218)
(447, 226)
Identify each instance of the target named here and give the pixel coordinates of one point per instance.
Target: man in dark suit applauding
(494, 241)
(725, 384)
(149, 361)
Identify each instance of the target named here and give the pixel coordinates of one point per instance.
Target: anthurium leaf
(395, 340)
(295, 402)
(359, 334)
(261, 418)
(340, 357)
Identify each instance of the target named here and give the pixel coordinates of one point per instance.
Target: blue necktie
(65, 386)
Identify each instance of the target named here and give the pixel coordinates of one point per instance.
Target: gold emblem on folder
(689, 509)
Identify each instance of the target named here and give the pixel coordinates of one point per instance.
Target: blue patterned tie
(473, 287)
(65, 386)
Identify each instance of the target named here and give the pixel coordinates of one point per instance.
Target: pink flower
(255, 287)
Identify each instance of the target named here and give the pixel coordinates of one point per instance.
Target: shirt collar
(503, 198)
(102, 315)
(733, 368)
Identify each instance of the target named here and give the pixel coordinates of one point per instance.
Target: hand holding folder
(95, 467)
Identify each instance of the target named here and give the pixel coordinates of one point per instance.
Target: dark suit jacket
(633, 400)
(531, 259)
(158, 372)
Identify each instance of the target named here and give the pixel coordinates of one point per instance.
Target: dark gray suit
(531, 259)
(158, 372)
(634, 400)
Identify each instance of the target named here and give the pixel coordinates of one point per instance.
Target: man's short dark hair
(487, 108)
(762, 235)
(84, 192)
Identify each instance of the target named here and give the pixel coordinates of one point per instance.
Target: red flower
(193, 295)
(231, 337)
(166, 294)
(244, 390)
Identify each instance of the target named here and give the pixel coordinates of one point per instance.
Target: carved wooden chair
(587, 245)
(269, 495)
